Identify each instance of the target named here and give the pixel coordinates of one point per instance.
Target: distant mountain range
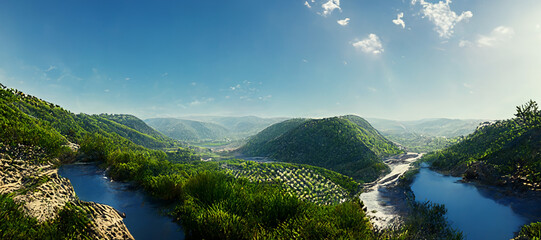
(347, 144)
(440, 127)
(498, 153)
(425, 135)
(195, 129)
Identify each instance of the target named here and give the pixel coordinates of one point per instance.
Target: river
(382, 207)
(144, 216)
(478, 212)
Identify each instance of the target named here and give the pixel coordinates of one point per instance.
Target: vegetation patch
(72, 223)
(306, 182)
(348, 145)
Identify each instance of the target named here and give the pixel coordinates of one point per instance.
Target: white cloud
(499, 35)
(464, 43)
(127, 79)
(165, 74)
(237, 87)
(371, 89)
(304, 61)
(372, 44)
(343, 22)
(202, 101)
(441, 15)
(265, 98)
(399, 21)
(52, 67)
(307, 4)
(330, 6)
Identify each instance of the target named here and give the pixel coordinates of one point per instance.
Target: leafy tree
(529, 114)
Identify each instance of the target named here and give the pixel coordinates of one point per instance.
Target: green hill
(136, 124)
(504, 152)
(211, 129)
(258, 144)
(188, 130)
(348, 145)
(241, 127)
(26, 118)
(231, 199)
(210, 202)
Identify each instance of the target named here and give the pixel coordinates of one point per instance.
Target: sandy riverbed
(379, 210)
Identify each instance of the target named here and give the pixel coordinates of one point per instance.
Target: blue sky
(389, 59)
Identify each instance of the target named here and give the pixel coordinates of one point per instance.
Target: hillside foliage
(348, 145)
(503, 152)
(211, 200)
(426, 135)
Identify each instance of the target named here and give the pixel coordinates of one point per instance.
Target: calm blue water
(477, 216)
(143, 214)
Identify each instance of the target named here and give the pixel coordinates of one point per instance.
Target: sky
(394, 59)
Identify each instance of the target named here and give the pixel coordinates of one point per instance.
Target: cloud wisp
(441, 15)
(330, 6)
(498, 35)
(371, 44)
(399, 21)
(343, 22)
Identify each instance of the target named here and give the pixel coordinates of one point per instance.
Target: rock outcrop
(44, 193)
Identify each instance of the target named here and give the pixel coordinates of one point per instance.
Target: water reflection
(478, 216)
(143, 214)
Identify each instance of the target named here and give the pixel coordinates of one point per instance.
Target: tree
(529, 114)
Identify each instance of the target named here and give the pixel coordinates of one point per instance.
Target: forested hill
(209, 129)
(347, 144)
(31, 121)
(136, 124)
(241, 126)
(503, 152)
(188, 130)
(231, 199)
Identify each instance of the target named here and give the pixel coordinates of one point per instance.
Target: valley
(296, 174)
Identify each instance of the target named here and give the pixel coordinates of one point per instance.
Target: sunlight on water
(477, 216)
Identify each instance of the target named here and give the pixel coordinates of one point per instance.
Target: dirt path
(380, 212)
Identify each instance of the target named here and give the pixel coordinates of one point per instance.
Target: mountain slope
(241, 126)
(209, 202)
(441, 127)
(258, 144)
(504, 152)
(197, 129)
(134, 123)
(19, 108)
(188, 130)
(425, 135)
(348, 145)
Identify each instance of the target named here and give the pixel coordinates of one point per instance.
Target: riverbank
(509, 190)
(146, 217)
(384, 199)
(43, 193)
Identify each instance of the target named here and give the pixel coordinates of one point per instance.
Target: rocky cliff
(44, 193)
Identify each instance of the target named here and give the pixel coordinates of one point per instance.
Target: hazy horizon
(396, 60)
